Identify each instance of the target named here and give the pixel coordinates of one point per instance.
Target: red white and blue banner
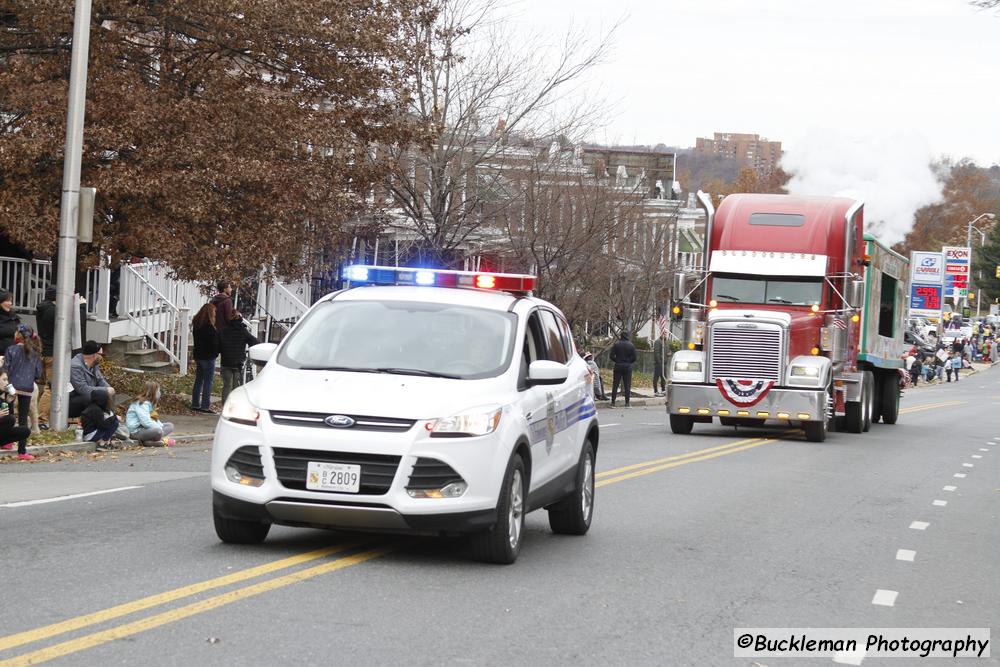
(743, 393)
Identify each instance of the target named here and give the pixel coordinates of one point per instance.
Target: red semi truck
(797, 316)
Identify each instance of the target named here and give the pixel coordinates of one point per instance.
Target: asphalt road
(693, 536)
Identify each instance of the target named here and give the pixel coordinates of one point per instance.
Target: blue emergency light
(363, 274)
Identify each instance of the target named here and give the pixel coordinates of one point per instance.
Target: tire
(573, 515)
(815, 431)
(890, 399)
(877, 398)
(854, 412)
(869, 401)
(234, 531)
(681, 424)
(501, 543)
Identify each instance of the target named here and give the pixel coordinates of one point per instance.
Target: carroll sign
(926, 268)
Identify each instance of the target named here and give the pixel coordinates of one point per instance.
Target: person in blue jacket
(142, 421)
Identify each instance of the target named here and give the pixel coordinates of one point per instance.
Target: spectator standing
(916, 370)
(223, 302)
(624, 356)
(956, 364)
(9, 320)
(993, 352)
(86, 378)
(233, 341)
(45, 316)
(9, 430)
(143, 422)
(206, 349)
(598, 382)
(22, 362)
(658, 350)
(99, 422)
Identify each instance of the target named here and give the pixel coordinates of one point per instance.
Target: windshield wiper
(729, 296)
(416, 371)
(778, 299)
(339, 368)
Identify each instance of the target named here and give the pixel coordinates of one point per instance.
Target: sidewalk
(187, 428)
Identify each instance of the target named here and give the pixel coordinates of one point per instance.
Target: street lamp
(968, 242)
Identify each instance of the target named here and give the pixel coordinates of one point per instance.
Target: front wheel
(681, 424)
(501, 543)
(815, 431)
(572, 515)
(234, 531)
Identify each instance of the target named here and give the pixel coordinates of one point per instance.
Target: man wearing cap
(87, 380)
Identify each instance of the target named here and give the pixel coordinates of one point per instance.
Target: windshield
(403, 338)
(781, 290)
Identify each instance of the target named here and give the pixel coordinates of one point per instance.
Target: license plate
(323, 476)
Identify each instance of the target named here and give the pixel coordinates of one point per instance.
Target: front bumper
(346, 516)
(706, 400)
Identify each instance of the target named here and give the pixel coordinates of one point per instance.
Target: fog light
(803, 415)
(234, 475)
(743, 413)
(704, 411)
(683, 411)
(765, 415)
(453, 490)
(783, 415)
(723, 413)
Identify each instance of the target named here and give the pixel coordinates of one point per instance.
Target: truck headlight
(805, 371)
(476, 421)
(239, 409)
(687, 366)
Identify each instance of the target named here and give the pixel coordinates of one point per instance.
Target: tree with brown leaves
(221, 137)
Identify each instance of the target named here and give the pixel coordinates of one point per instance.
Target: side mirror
(680, 285)
(547, 372)
(261, 352)
(856, 293)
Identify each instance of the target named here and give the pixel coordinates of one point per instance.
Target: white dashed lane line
(905, 554)
(960, 475)
(919, 525)
(940, 503)
(968, 465)
(949, 488)
(850, 658)
(43, 501)
(983, 449)
(977, 456)
(885, 598)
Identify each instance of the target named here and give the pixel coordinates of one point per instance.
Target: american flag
(661, 321)
(839, 322)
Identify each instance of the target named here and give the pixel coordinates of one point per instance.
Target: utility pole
(68, 214)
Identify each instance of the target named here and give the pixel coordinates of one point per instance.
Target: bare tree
(480, 92)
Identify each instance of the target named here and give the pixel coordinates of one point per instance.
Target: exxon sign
(926, 268)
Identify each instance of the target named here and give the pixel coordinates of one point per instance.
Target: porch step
(119, 347)
(164, 367)
(139, 356)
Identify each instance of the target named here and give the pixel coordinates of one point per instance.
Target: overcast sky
(925, 71)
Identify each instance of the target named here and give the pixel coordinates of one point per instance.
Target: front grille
(377, 470)
(745, 353)
(432, 474)
(247, 462)
(361, 422)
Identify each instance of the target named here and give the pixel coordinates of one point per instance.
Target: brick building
(751, 150)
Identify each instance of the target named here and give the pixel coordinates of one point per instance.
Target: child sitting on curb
(99, 422)
(142, 421)
(9, 431)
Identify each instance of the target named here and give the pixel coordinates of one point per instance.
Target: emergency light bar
(399, 275)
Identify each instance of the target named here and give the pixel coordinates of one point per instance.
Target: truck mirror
(856, 293)
(680, 286)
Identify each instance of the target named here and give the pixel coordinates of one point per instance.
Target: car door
(563, 403)
(538, 404)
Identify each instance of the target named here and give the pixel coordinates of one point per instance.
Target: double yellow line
(207, 604)
(667, 462)
(929, 406)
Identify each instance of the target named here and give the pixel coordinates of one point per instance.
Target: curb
(92, 447)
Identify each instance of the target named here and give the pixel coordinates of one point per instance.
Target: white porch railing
(158, 317)
(25, 279)
(281, 304)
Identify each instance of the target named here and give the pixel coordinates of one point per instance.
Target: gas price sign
(925, 300)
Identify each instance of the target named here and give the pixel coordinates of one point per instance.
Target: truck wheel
(815, 431)
(501, 543)
(234, 531)
(681, 424)
(877, 398)
(869, 402)
(890, 399)
(572, 515)
(854, 412)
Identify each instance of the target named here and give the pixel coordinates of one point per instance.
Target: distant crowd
(950, 358)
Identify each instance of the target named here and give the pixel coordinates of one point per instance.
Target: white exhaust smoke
(890, 172)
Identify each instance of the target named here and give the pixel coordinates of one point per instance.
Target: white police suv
(419, 401)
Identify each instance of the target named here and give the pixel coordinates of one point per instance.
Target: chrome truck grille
(739, 350)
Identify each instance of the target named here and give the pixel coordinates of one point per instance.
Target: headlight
(687, 366)
(477, 421)
(805, 371)
(239, 409)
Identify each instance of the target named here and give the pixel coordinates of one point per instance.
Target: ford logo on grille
(339, 421)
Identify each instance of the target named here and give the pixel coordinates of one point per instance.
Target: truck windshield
(786, 291)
